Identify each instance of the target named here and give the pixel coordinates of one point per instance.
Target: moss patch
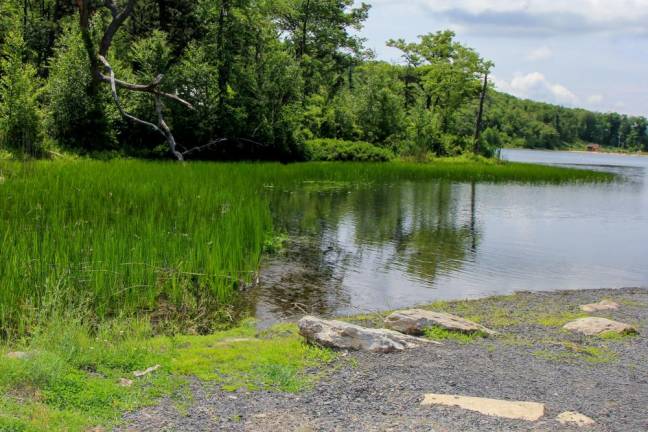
(441, 334)
(557, 319)
(239, 359)
(569, 352)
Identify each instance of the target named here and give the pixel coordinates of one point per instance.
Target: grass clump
(614, 336)
(569, 352)
(440, 334)
(71, 379)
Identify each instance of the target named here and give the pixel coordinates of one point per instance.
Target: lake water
(367, 248)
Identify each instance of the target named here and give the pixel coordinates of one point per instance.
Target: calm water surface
(360, 248)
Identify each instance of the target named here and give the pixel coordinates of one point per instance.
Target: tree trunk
(302, 47)
(480, 113)
(223, 55)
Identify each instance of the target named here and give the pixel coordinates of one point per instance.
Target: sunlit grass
(71, 378)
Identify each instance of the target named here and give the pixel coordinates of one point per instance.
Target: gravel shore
(534, 360)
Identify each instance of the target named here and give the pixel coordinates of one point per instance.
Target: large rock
(415, 321)
(603, 305)
(597, 326)
(529, 411)
(341, 335)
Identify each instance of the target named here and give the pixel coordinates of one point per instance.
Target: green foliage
(20, 115)
(264, 77)
(524, 123)
(381, 111)
(80, 114)
(336, 150)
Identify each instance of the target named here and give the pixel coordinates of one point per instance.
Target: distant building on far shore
(593, 147)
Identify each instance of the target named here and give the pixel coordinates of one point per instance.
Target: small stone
(600, 306)
(345, 336)
(578, 419)
(597, 326)
(18, 355)
(415, 321)
(125, 382)
(139, 374)
(529, 411)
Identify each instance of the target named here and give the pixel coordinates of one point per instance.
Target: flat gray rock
(341, 335)
(596, 326)
(415, 321)
(603, 305)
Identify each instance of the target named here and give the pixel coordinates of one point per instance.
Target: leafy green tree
(20, 114)
(381, 109)
(323, 36)
(78, 117)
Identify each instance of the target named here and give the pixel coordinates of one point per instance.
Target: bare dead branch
(161, 128)
(98, 60)
(204, 147)
(117, 21)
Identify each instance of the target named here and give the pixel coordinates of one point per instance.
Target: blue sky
(585, 53)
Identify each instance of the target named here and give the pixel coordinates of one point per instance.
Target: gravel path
(533, 361)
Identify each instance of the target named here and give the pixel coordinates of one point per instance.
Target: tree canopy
(263, 78)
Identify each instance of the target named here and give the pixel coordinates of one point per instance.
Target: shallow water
(364, 248)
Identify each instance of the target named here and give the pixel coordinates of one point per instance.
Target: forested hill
(255, 79)
(526, 123)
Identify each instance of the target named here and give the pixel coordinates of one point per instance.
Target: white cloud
(539, 54)
(595, 99)
(536, 86)
(598, 10)
(547, 17)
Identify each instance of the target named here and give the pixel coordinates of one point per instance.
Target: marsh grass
(172, 241)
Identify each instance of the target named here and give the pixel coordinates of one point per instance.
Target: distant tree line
(263, 77)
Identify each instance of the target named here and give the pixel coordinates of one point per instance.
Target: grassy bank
(73, 380)
(169, 241)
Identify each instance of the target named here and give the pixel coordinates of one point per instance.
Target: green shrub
(337, 150)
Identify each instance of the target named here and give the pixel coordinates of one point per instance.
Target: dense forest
(266, 79)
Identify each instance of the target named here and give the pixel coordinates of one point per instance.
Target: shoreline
(601, 152)
(250, 379)
(533, 359)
